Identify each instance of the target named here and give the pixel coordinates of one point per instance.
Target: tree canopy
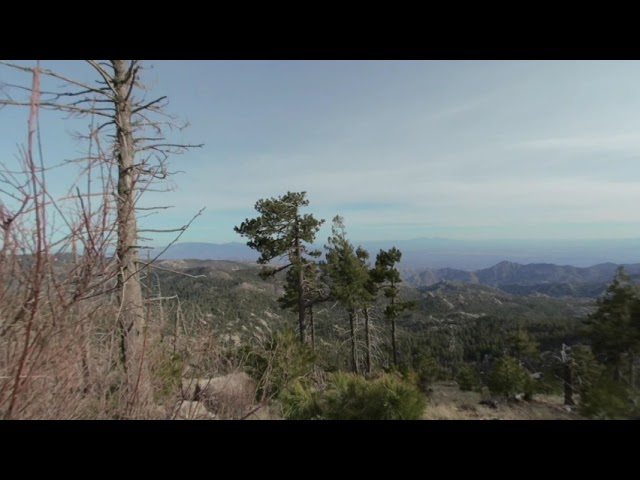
(280, 232)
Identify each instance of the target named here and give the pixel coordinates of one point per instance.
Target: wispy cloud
(594, 142)
(406, 146)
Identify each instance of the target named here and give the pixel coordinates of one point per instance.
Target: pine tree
(348, 277)
(282, 231)
(315, 292)
(387, 276)
(614, 329)
(368, 297)
(522, 347)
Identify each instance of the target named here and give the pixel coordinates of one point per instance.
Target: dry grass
(448, 402)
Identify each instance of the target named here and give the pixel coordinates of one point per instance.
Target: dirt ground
(448, 402)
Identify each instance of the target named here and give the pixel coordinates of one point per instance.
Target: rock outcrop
(228, 396)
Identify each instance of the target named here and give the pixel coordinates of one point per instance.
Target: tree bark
(301, 304)
(568, 383)
(367, 340)
(393, 332)
(393, 342)
(354, 351)
(313, 329)
(132, 318)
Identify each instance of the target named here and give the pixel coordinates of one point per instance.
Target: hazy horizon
(448, 239)
(441, 253)
(403, 150)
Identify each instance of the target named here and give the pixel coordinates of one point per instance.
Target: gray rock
(191, 410)
(229, 395)
(490, 402)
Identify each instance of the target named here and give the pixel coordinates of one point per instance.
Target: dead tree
(131, 132)
(568, 374)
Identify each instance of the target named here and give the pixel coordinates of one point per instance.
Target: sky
(400, 149)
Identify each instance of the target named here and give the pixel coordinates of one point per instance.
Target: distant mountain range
(541, 278)
(518, 278)
(423, 253)
(508, 273)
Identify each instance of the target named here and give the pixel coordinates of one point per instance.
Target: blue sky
(457, 149)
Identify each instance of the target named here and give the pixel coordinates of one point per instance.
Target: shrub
(388, 398)
(468, 378)
(167, 376)
(350, 397)
(300, 401)
(510, 378)
(606, 399)
(428, 371)
(277, 361)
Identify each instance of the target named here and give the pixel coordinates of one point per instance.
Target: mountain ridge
(524, 279)
(435, 253)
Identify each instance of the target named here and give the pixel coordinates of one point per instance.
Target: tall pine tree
(348, 277)
(282, 232)
(387, 276)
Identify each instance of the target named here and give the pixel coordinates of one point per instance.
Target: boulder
(229, 395)
(490, 402)
(191, 410)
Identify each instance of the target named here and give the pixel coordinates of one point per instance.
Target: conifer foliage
(349, 279)
(282, 232)
(387, 276)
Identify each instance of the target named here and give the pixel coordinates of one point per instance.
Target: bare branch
(55, 75)
(153, 230)
(157, 299)
(159, 146)
(147, 105)
(56, 106)
(153, 208)
(106, 76)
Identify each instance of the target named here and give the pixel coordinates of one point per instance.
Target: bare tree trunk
(393, 333)
(367, 340)
(301, 304)
(354, 351)
(393, 342)
(568, 383)
(132, 318)
(313, 329)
